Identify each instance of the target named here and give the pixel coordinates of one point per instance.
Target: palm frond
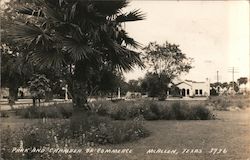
(30, 34)
(30, 11)
(134, 15)
(128, 40)
(78, 50)
(110, 7)
(25, 32)
(124, 59)
(46, 58)
(53, 14)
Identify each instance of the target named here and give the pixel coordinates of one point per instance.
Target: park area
(78, 81)
(217, 128)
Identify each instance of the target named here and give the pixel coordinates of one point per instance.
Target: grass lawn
(231, 132)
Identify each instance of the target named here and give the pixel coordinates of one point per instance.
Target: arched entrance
(183, 92)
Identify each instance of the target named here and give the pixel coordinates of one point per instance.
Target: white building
(189, 88)
(243, 88)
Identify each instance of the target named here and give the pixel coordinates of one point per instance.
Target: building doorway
(183, 92)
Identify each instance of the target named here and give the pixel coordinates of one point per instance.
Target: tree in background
(82, 36)
(165, 63)
(155, 85)
(216, 84)
(15, 69)
(225, 85)
(134, 85)
(38, 86)
(109, 82)
(234, 86)
(242, 80)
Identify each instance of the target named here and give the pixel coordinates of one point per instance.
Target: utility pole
(233, 70)
(217, 77)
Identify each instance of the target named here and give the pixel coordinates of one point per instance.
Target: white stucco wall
(203, 88)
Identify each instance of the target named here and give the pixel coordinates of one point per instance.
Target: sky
(214, 33)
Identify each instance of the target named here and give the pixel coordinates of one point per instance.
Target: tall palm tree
(83, 36)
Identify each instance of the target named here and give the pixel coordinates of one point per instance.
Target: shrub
(240, 104)
(116, 132)
(121, 113)
(225, 103)
(63, 110)
(103, 130)
(124, 110)
(200, 113)
(179, 112)
(39, 135)
(152, 110)
(9, 138)
(166, 113)
(127, 131)
(82, 128)
(66, 110)
(135, 111)
(175, 111)
(4, 114)
(83, 121)
(102, 108)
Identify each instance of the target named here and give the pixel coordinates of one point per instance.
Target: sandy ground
(230, 134)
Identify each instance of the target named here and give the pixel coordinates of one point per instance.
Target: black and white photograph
(125, 80)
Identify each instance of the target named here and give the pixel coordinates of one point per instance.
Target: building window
(200, 91)
(196, 91)
(187, 91)
(218, 89)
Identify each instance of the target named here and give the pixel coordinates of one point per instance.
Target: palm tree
(83, 36)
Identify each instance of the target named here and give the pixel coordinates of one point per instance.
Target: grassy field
(231, 131)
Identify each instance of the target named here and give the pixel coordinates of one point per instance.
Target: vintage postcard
(125, 80)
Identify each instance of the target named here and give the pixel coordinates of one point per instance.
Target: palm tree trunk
(13, 93)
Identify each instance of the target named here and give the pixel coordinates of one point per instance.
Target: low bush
(103, 130)
(200, 113)
(180, 112)
(154, 110)
(4, 114)
(81, 130)
(63, 110)
(121, 113)
(102, 108)
(226, 103)
(128, 110)
(240, 104)
(150, 110)
(38, 136)
(121, 110)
